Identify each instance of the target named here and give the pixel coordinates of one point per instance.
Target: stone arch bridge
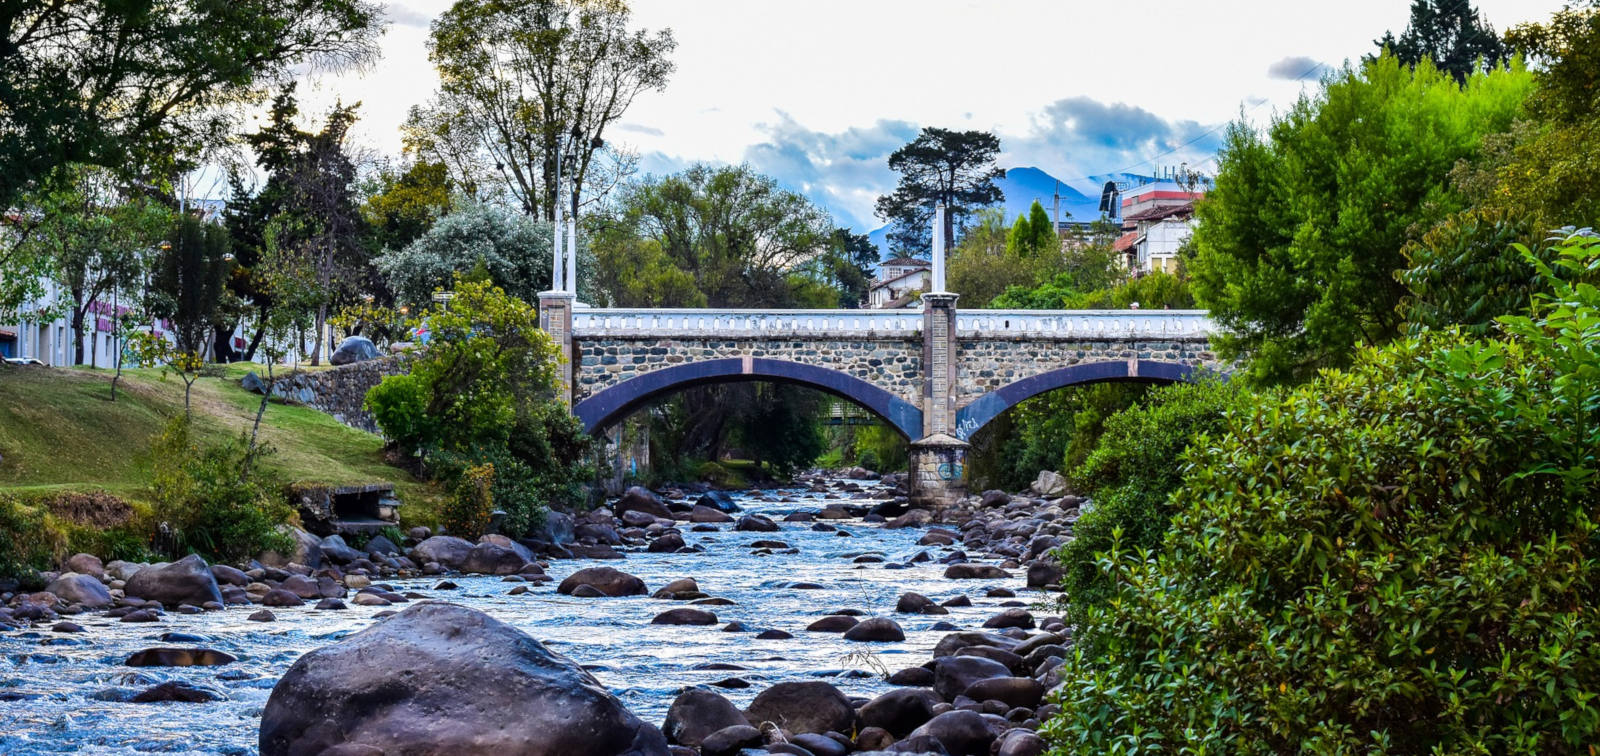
(937, 375)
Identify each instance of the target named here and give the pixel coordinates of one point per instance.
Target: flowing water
(58, 692)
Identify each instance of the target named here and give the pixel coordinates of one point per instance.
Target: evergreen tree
(1449, 33)
(955, 168)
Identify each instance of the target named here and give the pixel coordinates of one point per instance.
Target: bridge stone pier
(936, 375)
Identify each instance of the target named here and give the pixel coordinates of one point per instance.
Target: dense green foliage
(29, 545)
(1298, 242)
(1135, 464)
(482, 392)
(467, 513)
(1466, 272)
(207, 503)
(1398, 558)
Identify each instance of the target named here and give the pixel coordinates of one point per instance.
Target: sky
(817, 93)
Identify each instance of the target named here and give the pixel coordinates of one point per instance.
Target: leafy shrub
(1466, 272)
(399, 405)
(1398, 558)
(467, 513)
(27, 542)
(1135, 466)
(207, 505)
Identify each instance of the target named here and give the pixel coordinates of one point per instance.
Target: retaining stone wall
(340, 391)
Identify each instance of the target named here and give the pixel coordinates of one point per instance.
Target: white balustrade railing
(1085, 324)
(1044, 324)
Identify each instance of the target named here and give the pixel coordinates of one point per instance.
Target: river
(58, 693)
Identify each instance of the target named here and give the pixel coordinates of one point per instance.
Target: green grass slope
(59, 430)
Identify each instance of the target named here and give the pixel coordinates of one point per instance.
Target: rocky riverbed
(815, 620)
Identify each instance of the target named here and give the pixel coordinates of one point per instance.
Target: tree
(1449, 33)
(513, 249)
(1466, 272)
(1540, 169)
(955, 168)
(523, 81)
(1298, 242)
(402, 204)
(1397, 558)
(483, 393)
(849, 263)
(188, 281)
(133, 86)
(310, 194)
(737, 233)
(1033, 234)
(96, 238)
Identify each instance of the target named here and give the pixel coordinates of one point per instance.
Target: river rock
(962, 733)
(729, 741)
(913, 603)
(717, 500)
(797, 707)
(833, 623)
(696, 713)
(335, 549)
(608, 581)
(280, 598)
(178, 691)
(641, 499)
(262, 616)
(1044, 574)
(1013, 691)
(307, 550)
(1020, 742)
(180, 657)
(900, 711)
(876, 630)
(85, 564)
(84, 590)
(703, 514)
(975, 571)
(474, 686)
(492, 559)
(186, 581)
(954, 674)
(666, 544)
(226, 575)
(380, 545)
(448, 551)
(672, 589)
(1011, 618)
(1049, 484)
(756, 523)
(685, 616)
(354, 349)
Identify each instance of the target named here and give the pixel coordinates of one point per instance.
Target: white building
(1157, 219)
(899, 282)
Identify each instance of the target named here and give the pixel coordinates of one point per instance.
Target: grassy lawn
(59, 430)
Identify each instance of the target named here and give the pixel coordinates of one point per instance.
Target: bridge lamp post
(938, 248)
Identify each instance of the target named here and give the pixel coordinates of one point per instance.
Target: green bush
(27, 542)
(399, 405)
(466, 514)
(1135, 465)
(207, 505)
(1399, 558)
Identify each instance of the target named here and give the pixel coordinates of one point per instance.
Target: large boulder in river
(493, 559)
(83, 590)
(307, 550)
(698, 712)
(811, 706)
(718, 500)
(354, 349)
(1049, 484)
(606, 580)
(756, 523)
(186, 581)
(641, 499)
(444, 679)
(450, 552)
(954, 674)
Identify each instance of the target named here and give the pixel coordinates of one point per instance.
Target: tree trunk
(316, 339)
(255, 341)
(78, 316)
(255, 429)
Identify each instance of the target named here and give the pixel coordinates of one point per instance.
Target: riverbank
(770, 584)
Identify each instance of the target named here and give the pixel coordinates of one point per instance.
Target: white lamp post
(938, 247)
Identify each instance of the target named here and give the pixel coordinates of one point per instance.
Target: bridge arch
(973, 417)
(610, 405)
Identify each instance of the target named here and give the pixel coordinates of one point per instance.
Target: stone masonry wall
(993, 363)
(894, 365)
(340, 391)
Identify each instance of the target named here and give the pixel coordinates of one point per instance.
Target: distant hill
(1080, 198)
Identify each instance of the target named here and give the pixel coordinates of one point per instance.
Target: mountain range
(1080, 197)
